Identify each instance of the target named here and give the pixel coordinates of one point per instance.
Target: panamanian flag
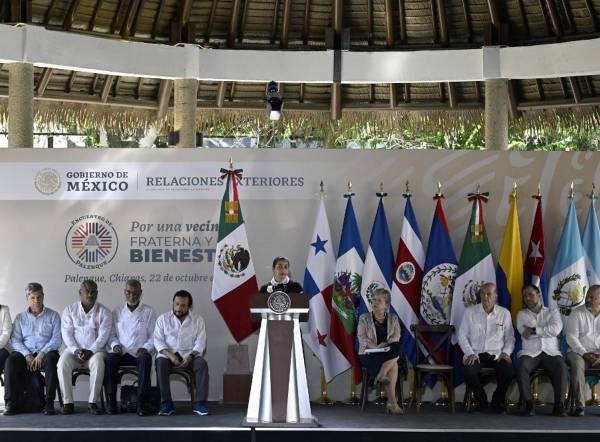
(568, 282)
(535, 261)
(318, 285)
(408, 275)
(234, 279)
(346, 289)
(591, 244)
(378, 271)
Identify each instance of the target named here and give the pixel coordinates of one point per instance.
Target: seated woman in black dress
(281, 281)
(379, 329)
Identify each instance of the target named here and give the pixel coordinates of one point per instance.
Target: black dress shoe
(559, 411)
(10, 409)
(142, 412)
(112, 408)
(529, 409)
(579, 412)
(68, 409)
(49, 408)
(93, 408)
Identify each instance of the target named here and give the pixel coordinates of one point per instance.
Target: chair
(86, 372)
(60, 399)
(121, 372)
(432, 356)
(589, 372)
(187, 376)
(487, 375)
(366, 380)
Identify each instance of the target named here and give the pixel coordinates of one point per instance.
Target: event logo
(47, 181)
(436, 295)
(91, 241)
(233, 260)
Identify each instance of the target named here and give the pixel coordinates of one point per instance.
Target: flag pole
(354, 399)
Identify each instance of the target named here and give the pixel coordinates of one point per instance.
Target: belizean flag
(535, 261)
(408, 275)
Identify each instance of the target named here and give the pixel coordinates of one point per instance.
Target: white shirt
(583, 331)
(5, 326)
(133, 329)
(180, 337)
(89, 330)
(481, 332)
(547, 324)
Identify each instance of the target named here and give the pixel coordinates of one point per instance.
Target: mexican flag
(234, 279)
(475, 266)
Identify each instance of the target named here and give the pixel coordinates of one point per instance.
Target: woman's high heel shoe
(393, 408)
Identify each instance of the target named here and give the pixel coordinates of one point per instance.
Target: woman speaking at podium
(281, 281)
(379, 338)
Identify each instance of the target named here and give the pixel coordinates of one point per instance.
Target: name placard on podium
(279, 391)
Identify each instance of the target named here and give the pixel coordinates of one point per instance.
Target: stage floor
(337, 417)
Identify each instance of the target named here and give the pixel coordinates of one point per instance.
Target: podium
(279, 392)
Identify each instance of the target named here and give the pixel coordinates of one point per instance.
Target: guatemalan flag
(406, 290)
(535, 262)
(346, 289)
(318, 284)
(591, 244)
(568, 282)
(378, 271)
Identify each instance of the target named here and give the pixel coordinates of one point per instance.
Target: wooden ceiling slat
(70, 15)
(306, 25)
(106, 86)
(285, 25)
(575, 89)
(157, 15)
(592, 13)
(94, 15)
(43, 81)
(275, 21)
(233, 23)
(211, 21)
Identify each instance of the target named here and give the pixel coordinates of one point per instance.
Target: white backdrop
(44, 192)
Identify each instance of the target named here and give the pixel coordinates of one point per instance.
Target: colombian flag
(509, 274)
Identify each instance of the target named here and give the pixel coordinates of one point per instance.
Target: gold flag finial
(439, 188)
(349, 186)
(230, 163)
(571, 191)
(539, 189)
(514, 191)
(322, 188)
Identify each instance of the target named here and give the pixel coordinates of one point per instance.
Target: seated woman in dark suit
(281, 280)
(379, 329)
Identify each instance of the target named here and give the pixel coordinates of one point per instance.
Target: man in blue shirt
(35, 342)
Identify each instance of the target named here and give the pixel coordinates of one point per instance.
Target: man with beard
(180, 340)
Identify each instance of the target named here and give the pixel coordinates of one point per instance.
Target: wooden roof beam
(575, 89)
(71, 81)
(43, 81)
(233, 23)
(452, 99)
(138, 89)
(336, 101)
(275, 21)
(119, 17)
(242, 27)
(159, 11)
(70, 15)
(164, 96)
(369, 22)
(211, 21)
(221, 94)
(285, 26)
(389, 25)
(105, 91)
(592, 12)
(306, 26)
(94, 15)
(338, 16)
(544, 15)
(568, 16)
(467, 17)
(184, 12)
(393, 95)
(524, 20)
(554, 18)
(540, 88)
(49, 13)
(301, 95)
(128, 27)
(441, 12)
(92, 89)
(434, 31)
(402, 20)
(494, 13)
(513, 99)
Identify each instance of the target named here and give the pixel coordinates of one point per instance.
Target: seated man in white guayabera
(132, 343)
(539, 327)
(487, 339)
(583, 337)
(5, 331)
(180, 340)
(86, 327)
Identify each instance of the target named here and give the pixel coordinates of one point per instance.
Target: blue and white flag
(591, 244)
(568, 282)
(318, 282)
(378, 271)
(408, 275)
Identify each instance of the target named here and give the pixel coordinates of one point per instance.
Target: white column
(186, 93)
(496, 114)
(20, 105)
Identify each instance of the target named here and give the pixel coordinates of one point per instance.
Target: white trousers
(68, 362)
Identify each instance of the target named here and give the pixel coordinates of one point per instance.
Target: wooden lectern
(279, 392)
